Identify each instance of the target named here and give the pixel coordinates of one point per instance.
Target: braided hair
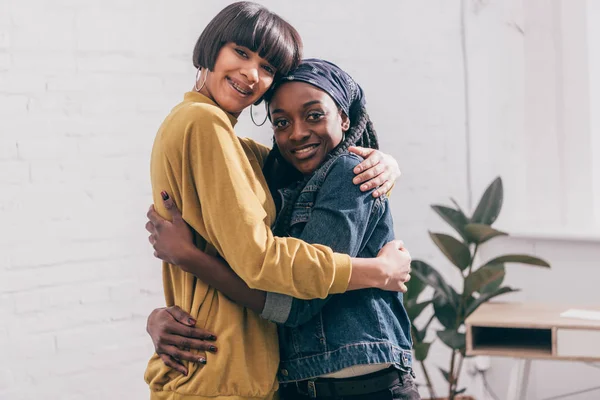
(280, 173)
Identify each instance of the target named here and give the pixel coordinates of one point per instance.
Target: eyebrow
(248, 49)
(305, 105)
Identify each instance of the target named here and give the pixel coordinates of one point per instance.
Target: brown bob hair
(253, 26)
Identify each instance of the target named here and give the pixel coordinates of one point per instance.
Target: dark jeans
(406, 389)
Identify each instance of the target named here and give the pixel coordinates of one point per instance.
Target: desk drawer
(578, 343)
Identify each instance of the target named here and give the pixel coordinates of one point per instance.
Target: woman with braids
(216, 179)
(354, 345)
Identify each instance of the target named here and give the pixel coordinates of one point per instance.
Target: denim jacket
(368, 326)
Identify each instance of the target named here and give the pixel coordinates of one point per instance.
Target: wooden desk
(531, 331)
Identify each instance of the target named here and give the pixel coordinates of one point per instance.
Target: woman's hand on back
(172, 240)
(378, 170)
(174, 334)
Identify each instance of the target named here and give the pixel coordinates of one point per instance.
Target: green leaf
(490, 204)
(426, 273)
(488, 296)
(421, 350)
(457, 252)
(415, 288)
(469, 300)
(415, 309)
(453, 339)
(456, 218)
(483, 276)
(520, 258)
(445, 373)
(429, 321)
(461, 391)
(480, 233)
(458, 207)
(418, 334)
(446, 311)
(495, 284)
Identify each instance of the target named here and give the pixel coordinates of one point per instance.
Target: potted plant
(479, 283)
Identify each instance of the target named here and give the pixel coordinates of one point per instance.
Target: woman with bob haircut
(216, 180)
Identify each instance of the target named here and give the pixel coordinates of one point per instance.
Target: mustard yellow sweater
(216, 181)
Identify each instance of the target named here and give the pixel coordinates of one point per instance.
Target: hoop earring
(252, 117)
(196, 81)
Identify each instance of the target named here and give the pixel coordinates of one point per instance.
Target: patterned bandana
(330, 78)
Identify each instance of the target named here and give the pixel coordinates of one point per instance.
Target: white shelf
(555, 234)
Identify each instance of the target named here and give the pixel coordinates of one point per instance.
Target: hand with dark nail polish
(176, 338)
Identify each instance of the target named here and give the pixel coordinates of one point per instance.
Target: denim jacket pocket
(306, 339)
(301, 212)
(300, 216)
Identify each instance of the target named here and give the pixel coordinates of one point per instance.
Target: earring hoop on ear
(198, 76)
(252, 116)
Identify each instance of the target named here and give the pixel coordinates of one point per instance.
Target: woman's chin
(235, 111)
(306, 169)
(232, 107)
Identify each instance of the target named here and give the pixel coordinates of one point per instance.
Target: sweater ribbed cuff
(343, 269)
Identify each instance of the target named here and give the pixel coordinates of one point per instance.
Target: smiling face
(239, 78)
(307, 124)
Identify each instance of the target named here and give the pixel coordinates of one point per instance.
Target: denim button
(284, 372)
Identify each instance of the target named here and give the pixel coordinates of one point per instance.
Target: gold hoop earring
(252, 116)
(196, 81)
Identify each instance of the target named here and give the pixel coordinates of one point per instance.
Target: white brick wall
(83, 88)
(82, 91)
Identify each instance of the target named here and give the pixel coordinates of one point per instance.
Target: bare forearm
(366, 273)
(216, 273)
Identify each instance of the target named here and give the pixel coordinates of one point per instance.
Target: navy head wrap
(330, 78)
